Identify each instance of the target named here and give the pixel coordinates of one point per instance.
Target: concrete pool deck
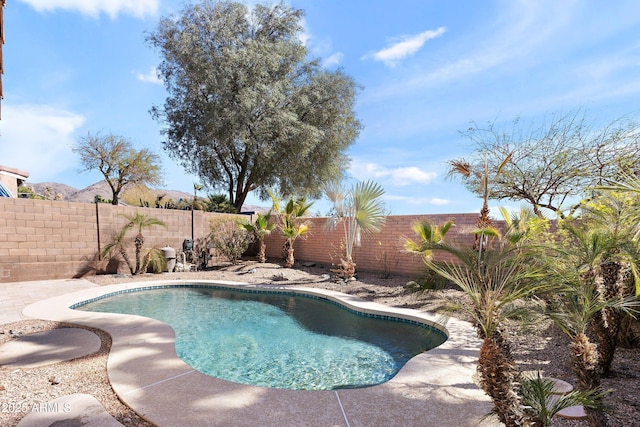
(434, 388)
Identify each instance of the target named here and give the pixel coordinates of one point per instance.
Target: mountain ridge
(101, 188)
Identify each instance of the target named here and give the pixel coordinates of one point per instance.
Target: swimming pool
(276, 339)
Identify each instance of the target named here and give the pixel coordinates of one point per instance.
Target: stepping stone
(45, 348)
(559, 386)
(572, 413)
(75, 410)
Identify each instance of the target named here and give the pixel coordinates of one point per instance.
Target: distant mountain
(88, 195)
(53, 188)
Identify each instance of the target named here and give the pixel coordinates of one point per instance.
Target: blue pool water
(277, 340)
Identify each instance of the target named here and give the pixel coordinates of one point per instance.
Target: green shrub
(229, 238)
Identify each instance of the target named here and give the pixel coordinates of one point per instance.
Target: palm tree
(522, 226)
(291, 224)
(360, 210)
(575, 266)
(538, 394)
(261, 228)
(464, 169)
(616, 265)
(118, 244)
(493, 282)
(430, 236)
(139, 222)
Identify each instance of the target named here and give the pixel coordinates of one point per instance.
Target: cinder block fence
(41, 239)
(381, 252)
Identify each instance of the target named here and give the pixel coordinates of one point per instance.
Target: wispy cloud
(407, 46)
(523, 35)
(332, 60)
(41, 129)
(417, 201)
(305, 35)
(94, 8)
(401, 176)
(150, 77)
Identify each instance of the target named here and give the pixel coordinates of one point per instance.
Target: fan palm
(291, 223)
(361, 211)
(261, 228)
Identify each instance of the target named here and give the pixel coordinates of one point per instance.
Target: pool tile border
(148, 376)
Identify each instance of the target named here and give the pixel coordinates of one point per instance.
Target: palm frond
(538, 394)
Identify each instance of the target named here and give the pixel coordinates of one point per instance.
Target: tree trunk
(606, 323)
(125, 257)
(289, 258)
(139, 241)
(584, 362)
(262, 251)
(346, 269)
(499, 379)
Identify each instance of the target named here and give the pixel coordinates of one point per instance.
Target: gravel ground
(543, 348)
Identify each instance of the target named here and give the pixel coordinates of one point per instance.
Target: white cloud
(38, 139)
(418, 201)
(304, 36)
(137, 8)
(400, 177)
(332, 60)
(524, 34)
(438, 201)
(150, 77)
(406, 47)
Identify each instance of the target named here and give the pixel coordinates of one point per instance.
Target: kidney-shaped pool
(276, 339)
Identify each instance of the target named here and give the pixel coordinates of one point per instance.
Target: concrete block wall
(382, 252)
(43, 239)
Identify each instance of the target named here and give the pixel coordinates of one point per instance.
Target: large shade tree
(119, 162)
(247, 110)
(552, 165)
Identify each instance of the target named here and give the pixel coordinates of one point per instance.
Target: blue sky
(428, 69)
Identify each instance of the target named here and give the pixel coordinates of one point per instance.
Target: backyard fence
(382, 252)
(42, 239)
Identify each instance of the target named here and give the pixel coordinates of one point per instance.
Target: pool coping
(433, 388)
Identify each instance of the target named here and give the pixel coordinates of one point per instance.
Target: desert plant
(386, 261)
(575, 265)
(229, 238)
(261, 228)
(153, 260)
(99, 199)
(28, 192)
(219, 203)
(359, 210)
(473, 173)
(291, 223)
(98, 264)
(494, 279)
(118, 245)
(538, 395)
(137, 222)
